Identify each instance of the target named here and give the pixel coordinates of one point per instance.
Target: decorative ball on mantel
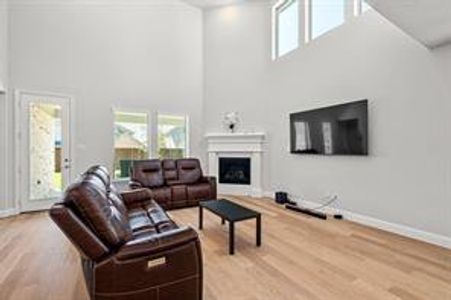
(231, 120)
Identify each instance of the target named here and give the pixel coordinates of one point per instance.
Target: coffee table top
(229, 210)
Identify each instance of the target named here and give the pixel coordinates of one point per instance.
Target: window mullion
(357, 7)
(154, 135)
(350, 8)
(307, 17)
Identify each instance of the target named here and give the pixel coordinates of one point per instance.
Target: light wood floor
(301, 258)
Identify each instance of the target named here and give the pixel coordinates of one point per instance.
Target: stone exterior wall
(42, 153)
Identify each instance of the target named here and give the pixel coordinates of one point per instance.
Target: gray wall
(405, 180)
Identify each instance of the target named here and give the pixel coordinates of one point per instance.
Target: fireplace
(233, 170)
(243, 151)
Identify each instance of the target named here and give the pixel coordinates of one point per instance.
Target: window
(326, 15)
(131, 140)
(365, 6)
(297, 22)
(172, 136)
(286, 27)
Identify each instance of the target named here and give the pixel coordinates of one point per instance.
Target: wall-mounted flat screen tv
(335, 130)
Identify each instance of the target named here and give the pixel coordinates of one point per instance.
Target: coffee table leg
(259, 231)
(201, 217)
(231, 238)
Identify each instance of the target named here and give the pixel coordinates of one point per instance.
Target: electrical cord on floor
(325, 205)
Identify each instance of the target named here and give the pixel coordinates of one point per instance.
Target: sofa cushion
(117, 201)
(159, 217)
(189, 170)
(89, 199)
(102, 173)
(162, 195)
(149, 173)
(166, 226)
(157, 214)
(139, 220)
(98, 175)
(169, 170)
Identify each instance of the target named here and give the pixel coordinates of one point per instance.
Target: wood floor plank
(301, 258)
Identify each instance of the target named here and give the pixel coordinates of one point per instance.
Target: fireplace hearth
(234, 170)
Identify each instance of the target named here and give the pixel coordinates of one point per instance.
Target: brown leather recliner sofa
(174, 183)
(129, 246)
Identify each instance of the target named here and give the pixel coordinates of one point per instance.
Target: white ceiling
(211, 3)
(428, 21)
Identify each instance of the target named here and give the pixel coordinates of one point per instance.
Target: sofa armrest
(211, 180)
(208, 179)
(156, 243)
(133, 184)
(155, 263)
(136, 198)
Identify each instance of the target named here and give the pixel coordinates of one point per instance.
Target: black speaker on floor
(281, 197)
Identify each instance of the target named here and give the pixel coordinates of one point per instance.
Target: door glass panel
(45, 151)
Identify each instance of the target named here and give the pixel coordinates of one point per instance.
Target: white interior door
(45, 156)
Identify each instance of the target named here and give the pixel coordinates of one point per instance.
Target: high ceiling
(428, 21)
(211, 3)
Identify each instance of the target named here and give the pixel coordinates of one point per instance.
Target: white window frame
(353, 8)
(358, 7)
(115, 110)
(277, 8)
(187, 133)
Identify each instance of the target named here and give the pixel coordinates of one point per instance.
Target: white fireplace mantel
(244, 145)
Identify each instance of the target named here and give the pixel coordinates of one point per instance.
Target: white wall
(150, 56)
(405, 180)
(138, 55)
(4, 107)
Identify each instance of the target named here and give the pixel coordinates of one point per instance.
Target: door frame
(19, 142)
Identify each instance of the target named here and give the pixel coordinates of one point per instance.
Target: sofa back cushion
(89, 199)
(189, 170)
(101, 172)
(116, 199)
(149, 173)
(169, 170)
(113, 195)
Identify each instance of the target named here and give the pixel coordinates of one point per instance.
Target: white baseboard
(428, 237)
(8, 212)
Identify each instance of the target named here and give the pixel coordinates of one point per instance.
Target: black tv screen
(335, 130)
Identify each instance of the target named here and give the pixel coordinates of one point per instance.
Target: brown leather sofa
(174, 183)
(130, 248)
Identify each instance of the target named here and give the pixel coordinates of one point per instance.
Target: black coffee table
(231, 212)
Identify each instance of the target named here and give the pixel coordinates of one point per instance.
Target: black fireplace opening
(234, 170)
